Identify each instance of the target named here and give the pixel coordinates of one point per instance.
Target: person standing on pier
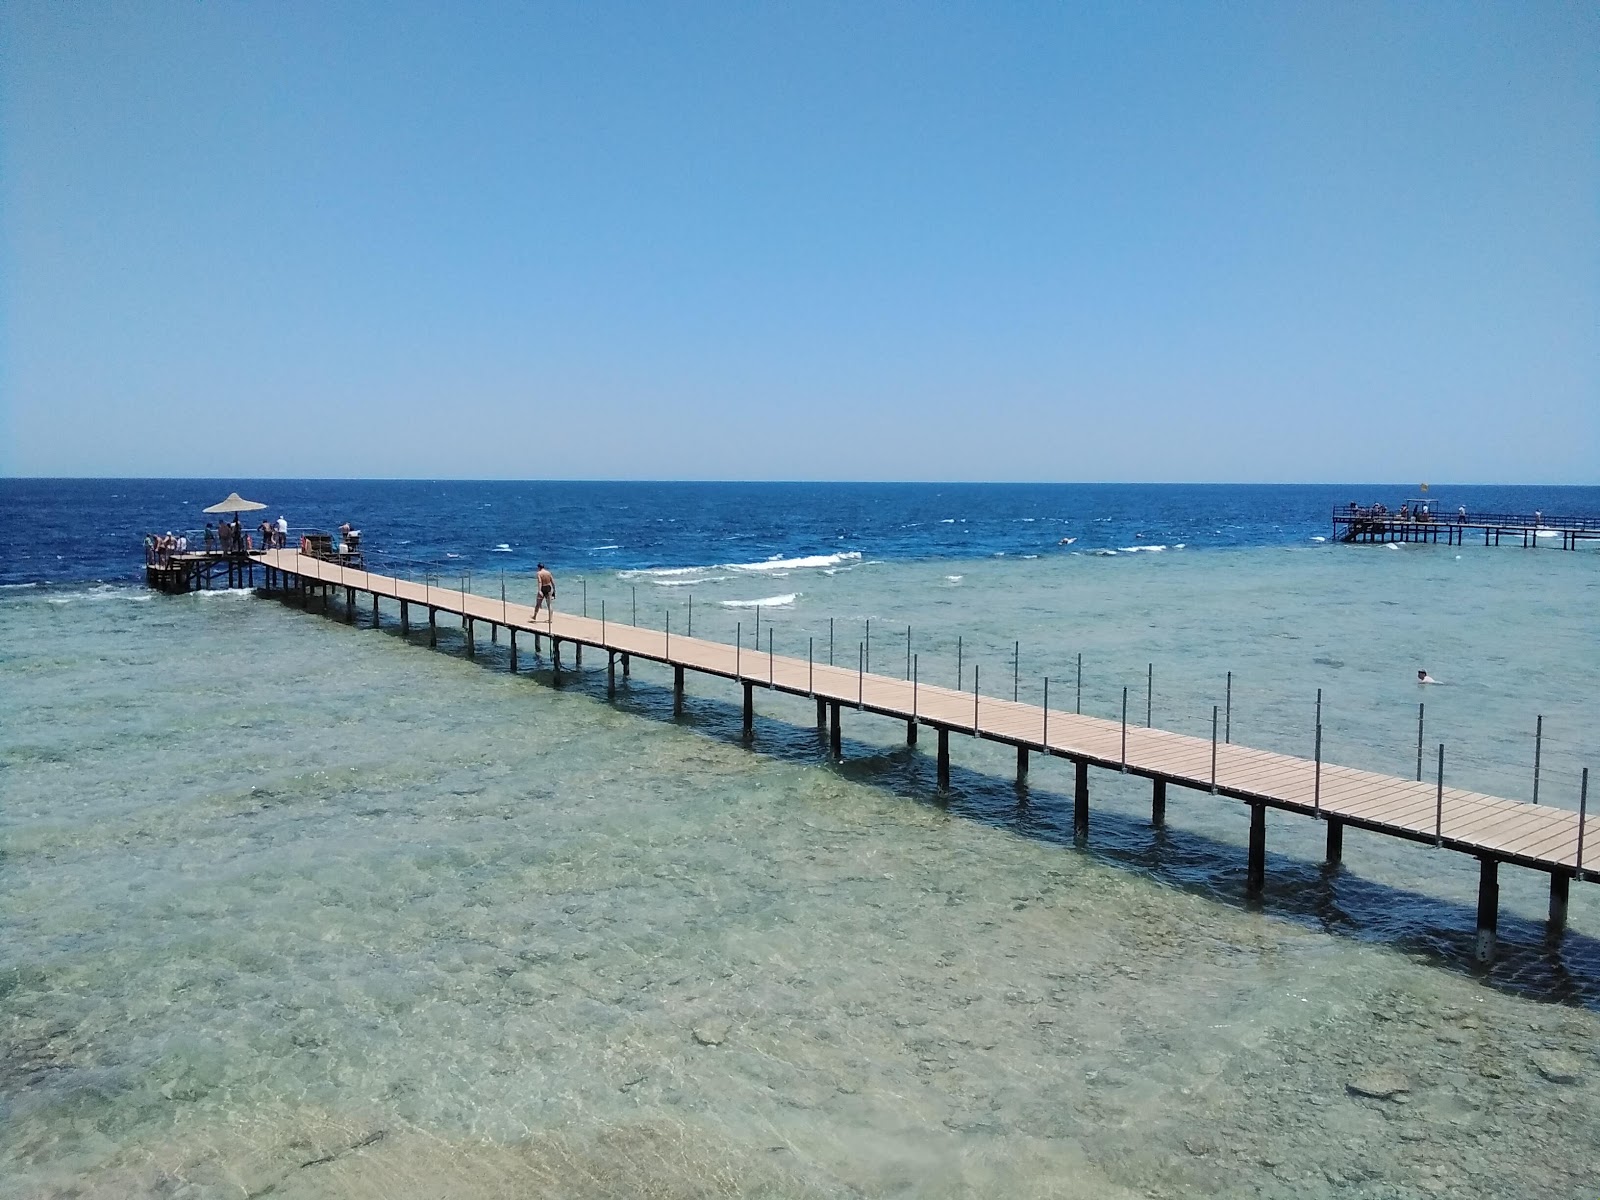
(547, 594)
(283, 531)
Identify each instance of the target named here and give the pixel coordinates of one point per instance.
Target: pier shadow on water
(1428, 927)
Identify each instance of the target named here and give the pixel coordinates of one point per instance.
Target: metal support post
(1080, 799)
(1256, 871)
(1488, 908)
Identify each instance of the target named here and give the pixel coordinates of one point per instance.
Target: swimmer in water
(1424, 677)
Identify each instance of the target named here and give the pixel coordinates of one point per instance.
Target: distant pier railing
(1376, 523)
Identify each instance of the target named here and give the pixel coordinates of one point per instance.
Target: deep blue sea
(295, 906)
(74, 530)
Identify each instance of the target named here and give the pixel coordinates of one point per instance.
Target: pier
(1376, 524)
(1492, 829)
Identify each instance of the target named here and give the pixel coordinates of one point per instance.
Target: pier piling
(1560, 886)
(1256, 872)
(1080, 799)
(1158, 803)
(1335, 854)
(944, 758)
(1488, 908)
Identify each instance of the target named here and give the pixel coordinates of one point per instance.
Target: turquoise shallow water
(293, 906)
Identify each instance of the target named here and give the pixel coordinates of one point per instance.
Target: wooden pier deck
(1492, 829)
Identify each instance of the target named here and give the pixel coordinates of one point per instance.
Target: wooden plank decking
(1489, 827)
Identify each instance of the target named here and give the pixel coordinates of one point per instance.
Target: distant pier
(1375, 523)
(1492, 829)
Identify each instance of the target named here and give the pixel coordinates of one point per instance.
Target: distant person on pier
(283, 532)
(211, 537)
(238, 534)
(547, 594)
(1461, 514)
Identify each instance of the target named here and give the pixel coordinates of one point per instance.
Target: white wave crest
(1104, 553)
(792, 564)
(692, 581)
(783, 601)
(1318, 539)
(11, 587)
(103, 594)
(1146, 549)
(502, 548)
(659, 573)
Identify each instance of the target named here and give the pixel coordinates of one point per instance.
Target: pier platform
(200, 570)
(1492, 829)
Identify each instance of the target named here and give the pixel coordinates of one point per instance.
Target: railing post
(1124, 730)
(738, 648)
(1046, 738)
(1078, 708)
(867, 660)
(1227, 730)
(1213, 749)
(636, 604)
(1149, 692)
(1420, 710)
(960, 672)
(690, 631)
(974, 699)
(830, 641)
(1316, 792)
(1016, 671)
(602, 625)
(1438, 804)
(769, 655)
(914, 673)
(585, 584)
(1583, 816)
(908, 652)
(667, 630)
(811, 671)
(861, 673)
(1538, 746)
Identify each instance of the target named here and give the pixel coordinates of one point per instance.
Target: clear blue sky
(1131, 241)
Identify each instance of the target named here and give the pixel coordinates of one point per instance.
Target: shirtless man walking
(547, 594)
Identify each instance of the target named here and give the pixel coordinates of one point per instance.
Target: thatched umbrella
(235, 503)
